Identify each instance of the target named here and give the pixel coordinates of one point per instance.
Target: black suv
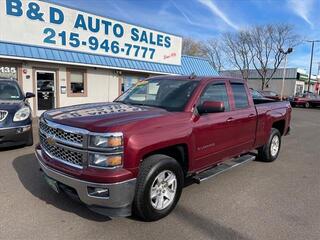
(15, 115)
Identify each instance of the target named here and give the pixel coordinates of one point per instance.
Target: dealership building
(67, 57)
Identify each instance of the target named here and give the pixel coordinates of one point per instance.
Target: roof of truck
(197, 78)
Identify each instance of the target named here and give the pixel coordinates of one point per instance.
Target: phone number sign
(48, 25)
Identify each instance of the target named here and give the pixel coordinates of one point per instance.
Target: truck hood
(99, 116)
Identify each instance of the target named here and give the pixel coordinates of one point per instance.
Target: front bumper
(15, 136)
(120, 194)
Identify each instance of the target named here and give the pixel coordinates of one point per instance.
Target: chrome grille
(68, 156)
(3, 115)
(68, 137)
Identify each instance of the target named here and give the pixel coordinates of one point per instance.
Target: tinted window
(216, 92)
(240, 95)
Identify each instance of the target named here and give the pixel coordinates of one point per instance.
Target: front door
(45, 91)
(212, 137)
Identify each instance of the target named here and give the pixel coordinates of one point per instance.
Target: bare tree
(237, 49)
(264, 44)
(213, 52)
(192, 47)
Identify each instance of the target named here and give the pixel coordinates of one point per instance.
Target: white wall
(276, 84)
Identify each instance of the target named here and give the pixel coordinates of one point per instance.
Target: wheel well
(178, 152)
(279, 125)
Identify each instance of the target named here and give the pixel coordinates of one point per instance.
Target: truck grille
(3, 115)
(70, 157)
(68, 137)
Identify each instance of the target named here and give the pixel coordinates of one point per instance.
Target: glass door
(45, 91)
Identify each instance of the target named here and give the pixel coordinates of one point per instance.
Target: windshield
(169, 94)
(255, 94)
(10, 91)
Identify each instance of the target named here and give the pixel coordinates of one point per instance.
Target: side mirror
(30, 95)
(211, 107)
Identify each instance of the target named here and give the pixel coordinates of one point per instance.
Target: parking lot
(278, 200)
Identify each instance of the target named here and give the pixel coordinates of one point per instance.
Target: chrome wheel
(307, 105)
(163, 190)
(275, 145)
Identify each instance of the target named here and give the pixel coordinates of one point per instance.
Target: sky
(205, 19)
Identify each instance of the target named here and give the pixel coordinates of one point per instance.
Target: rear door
(243, 120)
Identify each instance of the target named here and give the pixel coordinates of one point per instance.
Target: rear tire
(159, 187)
(270, 151)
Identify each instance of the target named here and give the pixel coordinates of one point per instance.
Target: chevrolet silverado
(132, 156)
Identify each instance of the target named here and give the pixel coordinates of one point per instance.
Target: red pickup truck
(133, 155)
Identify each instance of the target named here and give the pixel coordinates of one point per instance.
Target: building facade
(67, 56)
(296, 80)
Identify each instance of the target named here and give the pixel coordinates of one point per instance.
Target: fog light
(23, 129)
(98, 192)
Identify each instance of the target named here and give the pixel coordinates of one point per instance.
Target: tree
(192, 47)
(237, 49)
(213, 52)
(265, 43)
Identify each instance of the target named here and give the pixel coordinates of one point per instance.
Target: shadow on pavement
(28, 172)
(212, 229)
(7, 149)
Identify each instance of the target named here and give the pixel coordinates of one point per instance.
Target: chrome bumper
(120, 194)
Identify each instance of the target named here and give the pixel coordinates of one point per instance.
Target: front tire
(159, 187)
(307, 105)
(270, 151)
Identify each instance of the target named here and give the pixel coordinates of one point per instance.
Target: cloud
(182, 12)
(302, 9)
(218, 12)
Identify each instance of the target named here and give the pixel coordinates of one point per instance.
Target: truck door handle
(251, 115)
(230, 119)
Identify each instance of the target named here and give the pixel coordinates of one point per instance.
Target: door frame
(56, 84)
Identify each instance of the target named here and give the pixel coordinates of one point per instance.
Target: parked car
(306, 100)
(258, 97)
(136, 152)
(315, 102)
(271, 95)
(15, 115)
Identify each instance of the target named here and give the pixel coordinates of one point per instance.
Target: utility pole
(311, 60)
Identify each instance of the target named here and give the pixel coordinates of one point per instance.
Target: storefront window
(77, 83)
(130, 81)
(8, 72)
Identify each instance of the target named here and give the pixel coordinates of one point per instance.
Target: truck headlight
(104, 161)
(22, 114)
(111, 140)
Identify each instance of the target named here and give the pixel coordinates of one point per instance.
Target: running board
(220, 168)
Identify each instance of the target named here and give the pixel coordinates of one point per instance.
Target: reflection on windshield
(10, 91)
(169, 94)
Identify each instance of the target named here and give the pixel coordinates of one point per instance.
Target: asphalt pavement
(279, 200)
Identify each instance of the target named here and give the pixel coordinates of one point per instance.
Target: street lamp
(311, 59)
(285, 68)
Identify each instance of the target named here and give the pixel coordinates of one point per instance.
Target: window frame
(233, 96)
(85, 82)
(225, 83)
